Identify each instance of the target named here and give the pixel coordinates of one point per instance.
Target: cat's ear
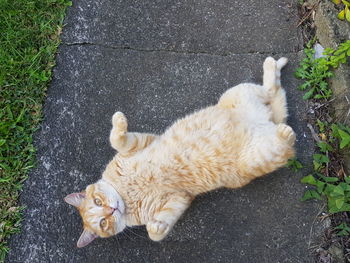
(75, 199)
(85, 238)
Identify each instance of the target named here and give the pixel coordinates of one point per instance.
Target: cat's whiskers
(128, 228)
(119, 246)
(124, 232)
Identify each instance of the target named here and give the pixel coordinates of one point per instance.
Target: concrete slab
(220, 27)
(263, 222)
(157, 61)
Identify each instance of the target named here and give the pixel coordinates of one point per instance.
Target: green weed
(294, 164)
(328, 180)
(337, 192)
(341, 132)
(340, 55)
(316, 71)
(344, 229)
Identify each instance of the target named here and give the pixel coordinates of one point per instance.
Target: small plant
(337, 193)
(328, 180)
(315, 72)
(319, 161)
(294, 164)
(325, 147)
(342, 133)
(344, 229)
(345, 12)
(321, 125)
(340, 55)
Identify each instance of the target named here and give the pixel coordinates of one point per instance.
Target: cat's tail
(272, 82)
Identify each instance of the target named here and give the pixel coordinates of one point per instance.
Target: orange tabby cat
(153, 179)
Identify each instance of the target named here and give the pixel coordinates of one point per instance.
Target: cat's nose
(110, 210)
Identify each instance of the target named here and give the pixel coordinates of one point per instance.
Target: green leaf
(317, 165)
(308, 94)
(9, 112)
(341, 14)
(315, 195)
(324, 147)
(294, 164)
(311, 194)
(305, 85)
(320, 186)
(321, 125)
(347, 179)
(347, 13)
(309, 179)
(345, 138)
(337, 2)
(332, 208)
(307, 195)
(345, 229)
(2, 142)
(346, 3)
(343, 233)
(20, 116)
(338, 190)
(341, 226)
(329, 189)
(319, 96)
(345, 186)
(320, 158)
(339, 203)
(335, 131)
(344, 143)
(298, 165)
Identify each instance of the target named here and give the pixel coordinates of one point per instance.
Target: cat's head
(102, 210)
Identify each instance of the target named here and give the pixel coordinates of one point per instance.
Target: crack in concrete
(222, 54)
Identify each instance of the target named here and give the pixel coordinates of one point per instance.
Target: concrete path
(157, 61)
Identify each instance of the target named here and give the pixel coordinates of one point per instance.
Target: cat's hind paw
(269, 64)
(120, 122)
(281, 62)
(285, 132)
(157, 230)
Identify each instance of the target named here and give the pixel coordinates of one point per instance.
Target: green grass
(29, 36)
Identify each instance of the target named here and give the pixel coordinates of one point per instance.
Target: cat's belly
(202, 149)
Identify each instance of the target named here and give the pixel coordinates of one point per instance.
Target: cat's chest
(208, 128)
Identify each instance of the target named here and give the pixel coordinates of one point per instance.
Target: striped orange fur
(153, 178)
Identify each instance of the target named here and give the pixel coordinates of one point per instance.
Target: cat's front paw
(157, 230)
(120, 123)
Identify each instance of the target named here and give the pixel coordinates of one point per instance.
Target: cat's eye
(98, 202)
(103, 223)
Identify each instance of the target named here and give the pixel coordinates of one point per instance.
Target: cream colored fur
(229, 144)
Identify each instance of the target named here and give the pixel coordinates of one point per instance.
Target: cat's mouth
(116, 212)
(119, 223)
